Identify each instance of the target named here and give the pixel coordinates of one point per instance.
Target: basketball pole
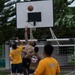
(53, 36)
(31, 34)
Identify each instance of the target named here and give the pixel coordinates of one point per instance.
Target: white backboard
(44, 7)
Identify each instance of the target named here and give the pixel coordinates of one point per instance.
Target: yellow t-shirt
(47, 66)
(16, 55)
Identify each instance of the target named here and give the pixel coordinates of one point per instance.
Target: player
(48, 65)
(28, 52)
(16, 58)
(34, 61)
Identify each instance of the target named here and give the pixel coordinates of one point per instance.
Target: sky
(72, 5)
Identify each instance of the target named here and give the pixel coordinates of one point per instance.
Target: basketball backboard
(40, 16)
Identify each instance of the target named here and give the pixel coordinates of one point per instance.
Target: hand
(11, 59)
(17, 38)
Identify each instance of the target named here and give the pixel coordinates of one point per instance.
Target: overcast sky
(73, 4)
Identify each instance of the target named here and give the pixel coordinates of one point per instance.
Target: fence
(64, 52)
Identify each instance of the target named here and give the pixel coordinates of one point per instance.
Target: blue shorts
(17, 68)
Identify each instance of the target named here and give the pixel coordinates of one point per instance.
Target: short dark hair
(48, 49)
(34, 44)
(36, 49)
(14, 46)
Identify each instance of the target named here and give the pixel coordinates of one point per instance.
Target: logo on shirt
(16, 52)
(52, 65)
(34, 59)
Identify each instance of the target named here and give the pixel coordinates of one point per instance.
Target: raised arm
(19, 41)
(26, 35)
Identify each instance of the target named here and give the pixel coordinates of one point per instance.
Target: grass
(3, 73)
(6, 73)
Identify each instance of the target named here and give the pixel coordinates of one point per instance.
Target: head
(36, 49)
(32, 43)
(14, 46)
(48, 49)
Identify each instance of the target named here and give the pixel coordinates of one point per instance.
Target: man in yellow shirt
(48, 65)
(16, 58)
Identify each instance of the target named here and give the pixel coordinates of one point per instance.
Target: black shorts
(26, 63)
(16, 68)
(30, 71)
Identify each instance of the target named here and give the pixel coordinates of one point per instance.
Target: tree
(7, 20)
(1, 15)
(64, 17)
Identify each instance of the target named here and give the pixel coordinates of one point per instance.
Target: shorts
(26, 63)
(17, 68)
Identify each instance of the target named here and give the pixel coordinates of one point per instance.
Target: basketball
(30, 8)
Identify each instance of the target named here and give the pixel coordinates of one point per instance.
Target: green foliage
(2, 5)
(7, 20)
(64, 20)
(4, 73)
(20, 33)
(63, 15)
(1, 37)
(42, 33)
(6, 33)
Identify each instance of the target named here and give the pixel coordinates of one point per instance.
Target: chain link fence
(64, 52)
